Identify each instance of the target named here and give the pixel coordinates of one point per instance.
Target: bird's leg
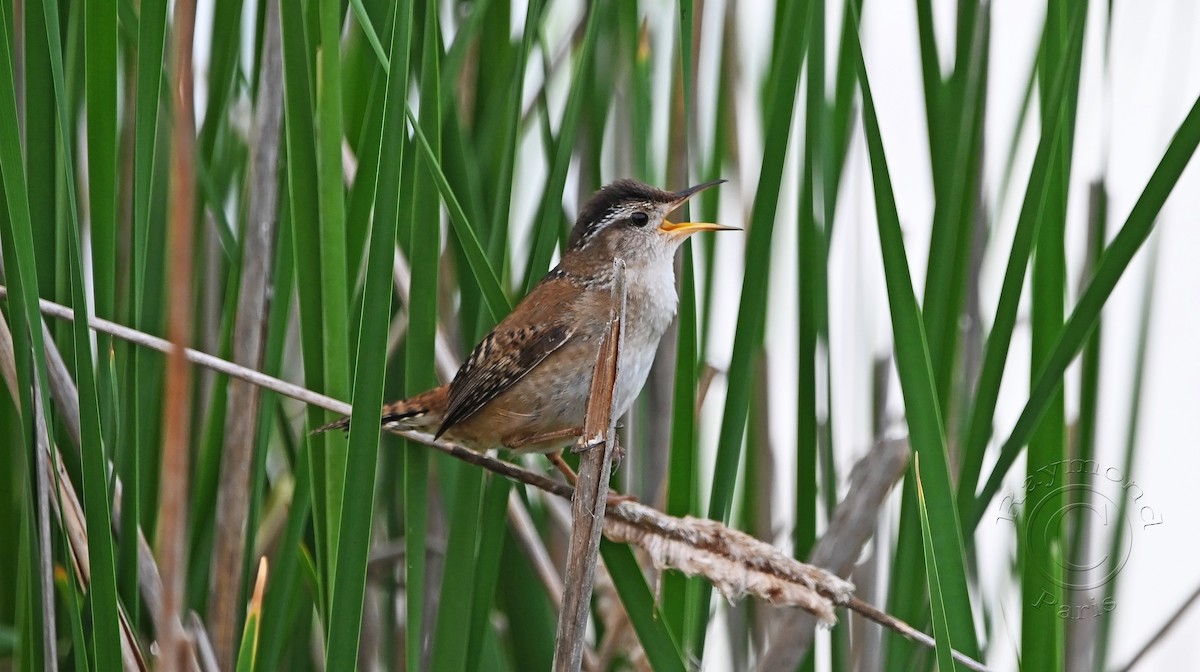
(614, 498)
(559, 463)
(556, 459)
(518, 442)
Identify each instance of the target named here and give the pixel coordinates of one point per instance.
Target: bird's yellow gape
(684, 229)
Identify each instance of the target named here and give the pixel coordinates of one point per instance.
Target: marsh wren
(525, 386)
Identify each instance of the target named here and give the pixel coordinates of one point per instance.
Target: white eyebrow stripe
(616, 214)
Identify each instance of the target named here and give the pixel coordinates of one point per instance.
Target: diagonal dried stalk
(735, 563)
(627, 521)
(195, 357)
(597, 443)
(1162, 632)
(852, 525)
(710, 549)
(241, 424)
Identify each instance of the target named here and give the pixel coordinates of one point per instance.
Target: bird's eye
(639, 218)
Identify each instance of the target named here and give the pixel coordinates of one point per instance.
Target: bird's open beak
(685, 229)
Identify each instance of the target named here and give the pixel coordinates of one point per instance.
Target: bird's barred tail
(420, 413)
(341, 423)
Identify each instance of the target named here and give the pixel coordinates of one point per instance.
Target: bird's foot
(618, 455)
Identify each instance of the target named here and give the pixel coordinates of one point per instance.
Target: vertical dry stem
(587, 505)
(241, 424)
(172, 558)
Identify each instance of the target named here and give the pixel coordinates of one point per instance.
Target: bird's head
(628, 219)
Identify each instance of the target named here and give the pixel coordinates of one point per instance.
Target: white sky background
(1123, 126)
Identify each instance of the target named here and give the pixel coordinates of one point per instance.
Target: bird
(525, 386)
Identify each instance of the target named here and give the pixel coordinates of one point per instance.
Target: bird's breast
(651, 302)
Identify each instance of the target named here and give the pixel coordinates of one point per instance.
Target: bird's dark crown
(603, 203)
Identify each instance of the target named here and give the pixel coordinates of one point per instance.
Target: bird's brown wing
(514, 348)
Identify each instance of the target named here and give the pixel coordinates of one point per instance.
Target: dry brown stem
(597, 444)
(241, 424)
(173, 493)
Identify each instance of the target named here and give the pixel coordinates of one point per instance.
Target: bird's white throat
(651, 303)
